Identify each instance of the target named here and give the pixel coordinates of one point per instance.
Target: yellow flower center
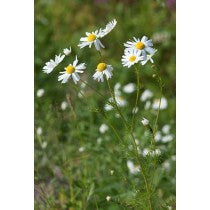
(101, 67)
(132, 58)
(91, 37)
(70, 69)
(139, 45)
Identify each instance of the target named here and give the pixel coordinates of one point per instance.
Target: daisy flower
(144, 46)
(131, 57)
(72, 70)
(132, 168)
(129, 88)
(93, 37)
(49, 66)
(67, 51)
(145, 121)
(147, 94)
(103, 68)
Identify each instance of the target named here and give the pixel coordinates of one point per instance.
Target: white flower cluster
(138, 50)
(73, 70)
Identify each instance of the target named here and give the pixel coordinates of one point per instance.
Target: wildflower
(120, 101)
(111, 172)
(117, 87)
(145, 152)
(103, 68)
(158, 136)
(129, 88)
(163, 104)
(148, 58)
(67, 51)
(39, 131)
(132, 168)
(108, 198)
(147, 105)
(145, 121)
(147, 94)
(167, 138)
(64, 105)
(166, 128)
(49, 66)
(108, 107)
(93, 37)
(167, 164)
(143, 46)
(44, 145)
(103, 128)
(72, 70)
(131, 57)
(81, 149)
(40, 93)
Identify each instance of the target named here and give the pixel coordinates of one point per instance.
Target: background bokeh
(73, 157)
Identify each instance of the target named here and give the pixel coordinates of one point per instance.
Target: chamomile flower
(49, 66)
(94, 37)
(67, 51)
(147, 94)
(40, 93)
(129, 88)
(131, 57)
(120, 101)
(103, 68)
(72, 70)
(145, 121)
(132, 168)
(108, 198)
(144, 46)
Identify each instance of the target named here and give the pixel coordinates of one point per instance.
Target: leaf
(92, 187)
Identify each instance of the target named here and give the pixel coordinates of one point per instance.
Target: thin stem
(135, 145)
(161, 92)
(103, 114)
(137, 97)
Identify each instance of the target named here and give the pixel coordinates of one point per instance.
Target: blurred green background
(76, 165)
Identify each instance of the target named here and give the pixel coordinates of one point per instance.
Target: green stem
(103, 114)
(134, 143)
(137, 98)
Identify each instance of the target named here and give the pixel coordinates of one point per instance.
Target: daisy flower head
(131, 57)
(93, 37)
(145, 121)
(72, 70)
(50, 65)
(142, 45)
(101, 70)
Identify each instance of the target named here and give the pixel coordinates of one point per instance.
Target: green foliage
(76, 166)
